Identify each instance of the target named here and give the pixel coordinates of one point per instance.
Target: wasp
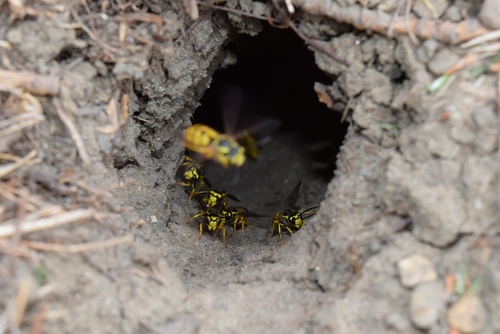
(194, 176)
(214, 145)
(213, 220)
(216, 198)
(238, 217)
(291, 219)
(236, 144)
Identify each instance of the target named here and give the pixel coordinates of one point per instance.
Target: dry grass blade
(7, 169)
(5, 45)
(28, 226)
(19, 122)
(6, 247)
(469, 59)
(12, 192)
(492, 48)
(112, 112)
(21, 301)
(75, 135)
(124, 108)
(490, 36)
(79, 248)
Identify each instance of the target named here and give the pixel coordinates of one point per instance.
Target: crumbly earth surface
(417, 174)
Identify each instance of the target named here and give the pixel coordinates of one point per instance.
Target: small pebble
(426, 304)
(467, 315)
(490, 11)
(416, 269)
(442, 61)
(435, 11)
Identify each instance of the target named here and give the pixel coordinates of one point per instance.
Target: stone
(427, 304)
(416, 269)
(442, 61)
(489, 14)
(434, 12)
(467, 315)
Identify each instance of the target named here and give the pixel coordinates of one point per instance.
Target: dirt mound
(389, 117)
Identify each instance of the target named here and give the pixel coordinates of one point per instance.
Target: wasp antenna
(207, 182)
(234, 198)
(312, 208)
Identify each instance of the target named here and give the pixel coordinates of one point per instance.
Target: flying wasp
(233, 147)
(211, 144)
(291, 219)
(194, 176)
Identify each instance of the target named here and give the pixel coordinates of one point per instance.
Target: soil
(396, 172)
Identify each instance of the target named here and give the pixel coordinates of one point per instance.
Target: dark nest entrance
(276, 74)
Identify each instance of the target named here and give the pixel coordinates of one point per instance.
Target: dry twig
(29, 226)
(21, 301)
(75, 135)
(365, 19)
(488, 37)
(7, 169)
(19, 122)
(112, 112)
(79, 248)
(312, 42)
(283, 22)
(34, 83)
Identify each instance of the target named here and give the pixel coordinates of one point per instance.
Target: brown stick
(365, 19)
(34, 83)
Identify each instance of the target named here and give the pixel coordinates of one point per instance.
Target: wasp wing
(292, 199)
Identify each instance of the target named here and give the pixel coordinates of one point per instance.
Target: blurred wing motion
(243, 123)
(242, 126)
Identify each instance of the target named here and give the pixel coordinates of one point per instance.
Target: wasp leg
(279, 231)
(224, 235)
(272, 231)
(201, 231)
(195, 216)
(183, 184)
(280, 224)
(289, 230)
(243, 223)
(194, 191)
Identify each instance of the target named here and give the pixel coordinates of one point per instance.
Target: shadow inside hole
(276, 72)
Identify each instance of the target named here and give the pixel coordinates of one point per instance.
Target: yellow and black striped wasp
(230, 148)
(238, 217)
(193, 175)
(211, 144)
(291, 219)
(216, 219)
(216, 198)
(212, 220)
